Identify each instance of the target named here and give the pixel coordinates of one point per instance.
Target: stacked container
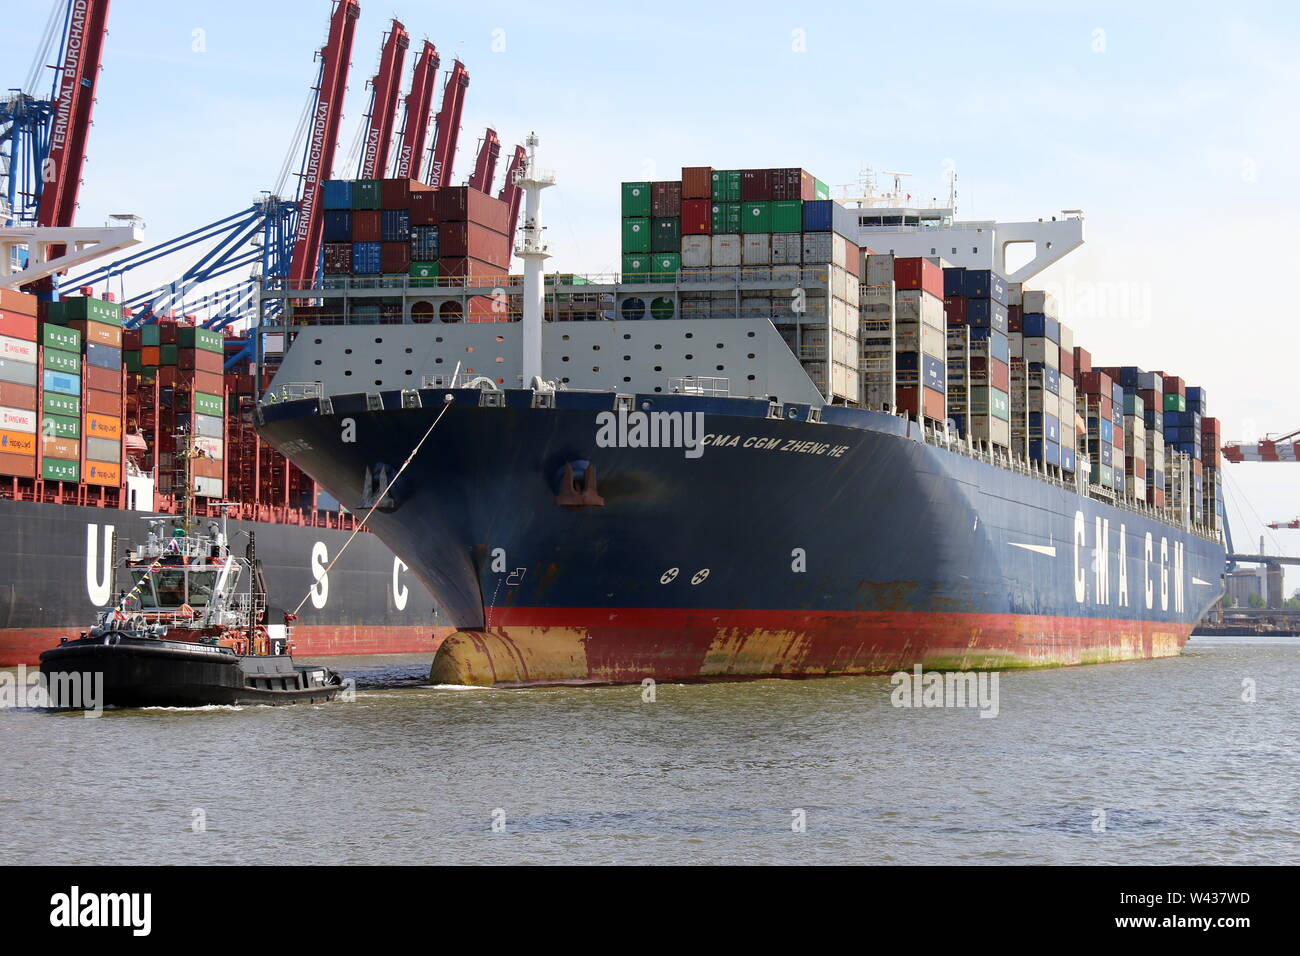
(100, 385)
(877, 298)
(19, 377)
(975, 303)
(921, 346)
(1041, 345)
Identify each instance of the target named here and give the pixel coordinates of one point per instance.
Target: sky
(1173, 126)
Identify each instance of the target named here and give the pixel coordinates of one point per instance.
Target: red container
(19, 302)
(1067, 364)
(932, 402)
(1015, 318)
(338, 258)
(463, 204)
(210, 382)
(18, 326)
(999, 375)
(460, 240)
(755, 185)
(200, 360)
(697, 182)
(1210, 426)
(1095, 383)
(17, 396)
(395, 194)
(1174, 385)
(18, 466)
(954, 307)
(853, 261)
(666, 199)
(918, 273)
(792, 183)
(367, 226)
(697, 217)
(131, 339)
(395, 258)
(481, 273)
(101, 402)
(106, 379)
(1082, 362)
(423, 208)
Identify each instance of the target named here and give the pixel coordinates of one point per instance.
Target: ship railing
(942, 438)
(700, 385)
(292, 392)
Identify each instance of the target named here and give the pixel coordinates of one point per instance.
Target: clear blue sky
(1172, 125)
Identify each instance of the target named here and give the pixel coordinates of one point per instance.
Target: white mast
(534, 252)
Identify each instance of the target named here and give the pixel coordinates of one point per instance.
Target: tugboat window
(170, 583)
(201, 585)
(145, 595)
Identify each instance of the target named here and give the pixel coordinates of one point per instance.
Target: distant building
(1266, 581)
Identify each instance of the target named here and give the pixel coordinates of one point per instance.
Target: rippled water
(1183, 769)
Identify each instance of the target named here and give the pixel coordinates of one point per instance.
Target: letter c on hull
(400, 591)
(1080, 575)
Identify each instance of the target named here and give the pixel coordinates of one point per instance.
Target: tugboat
(186, 634)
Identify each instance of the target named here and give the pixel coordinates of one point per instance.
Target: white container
(207, 487)
(757, 249)
(209, 426)
(787, 248)
(17, 420)
(1038, 349)
(103, 449)
(697, 251)
(726, 250)
(17, 350)
(791, 275)
(920, 305)
(212, 448)
(818, 248)
(1038, 301)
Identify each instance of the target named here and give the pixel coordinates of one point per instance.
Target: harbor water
(1187, 760)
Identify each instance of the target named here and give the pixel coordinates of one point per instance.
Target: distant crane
(384, 90)
(510, 192)
(443, 154)
(418, 112)
(1279, 525)
(485, 166)
(1282, 448)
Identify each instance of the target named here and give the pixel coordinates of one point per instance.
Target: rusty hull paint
(627, 646)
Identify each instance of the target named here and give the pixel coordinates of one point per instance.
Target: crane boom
(1279, 525)
(485, 166)
(79, 72)
(511, 193)
(419, 104)
(444, 143)
(1284, 448)
(382, 118)
(322, 140)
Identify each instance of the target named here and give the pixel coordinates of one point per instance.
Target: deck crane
(1280, 525)
(510, 192)
(419, 107)
(322, 142)
(443, 154)
(382, 117)
(485, 166)
(1281, 448)
(42, 154)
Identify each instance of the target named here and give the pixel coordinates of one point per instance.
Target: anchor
(578, 487)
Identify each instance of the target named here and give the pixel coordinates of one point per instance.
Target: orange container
(101, 473)
(101, 426)
(17, 443)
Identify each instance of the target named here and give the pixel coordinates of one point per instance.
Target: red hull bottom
(532, 646)
(24, 645)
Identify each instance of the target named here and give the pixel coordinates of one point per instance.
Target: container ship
(94, 420)
(795, 437)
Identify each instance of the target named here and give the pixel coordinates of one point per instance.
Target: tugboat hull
(142, 672)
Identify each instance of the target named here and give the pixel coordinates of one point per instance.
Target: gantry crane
(382, 118)
(443, 154)
(510, 192)
(1280, 525)
(485, 166)
(1282, 448)
(419, 111)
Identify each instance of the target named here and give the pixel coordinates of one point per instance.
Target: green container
(150, 334)
(131, 361)
(1175, 402)
(206, 404)
(821, 190)
(755, 217)
(1000, 404)
(69, 362)
(1133, 404)
(787, 216)
(365, 194)
(82, 308)
(60, 426)
(726, 185)
(424, 270)
(636, 235)
(726, 218)
(636, 200)
(204, 339)
(57, 337)
(666, 235)
(636, 268)
(55, 469)
(168, 355)
(57, 404)
(665, 266)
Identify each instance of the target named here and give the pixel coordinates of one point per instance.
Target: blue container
(954, 282)
(983, 284)
(1119, 479)
(1067, 459)
(1044, 425)
(1107, 453)
(62, 383)
(934, 373)
(1150, 381)
(338, 225)
(907, 361)
(1050, 377)
(986, 313)
(1106, 431)
(336, 194)
(424, 243)
(999, 346)
(1129, 377)
(818, 215)
(103, 356)
(395, 225)
(1196, 399)
(365, 258)
(1036, 324)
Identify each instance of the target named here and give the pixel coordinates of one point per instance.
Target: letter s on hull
(320, 591)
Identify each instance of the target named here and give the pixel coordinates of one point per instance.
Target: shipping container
(59, 337)
(56, 470)
(103, 473)
(337, 226)
(697, 217)
(103, 356)
(636, 235)
(367, 194)
(18, 466)
(725, 186)
(666, 199)
(787, 216)
(336, 194)
(697, 182)
(756, 185)
(395, 225)
(466, 204)
(366, 258)
(84, 308)
(726, 251)
(725, 218)
(16, 326)
(756, 217)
